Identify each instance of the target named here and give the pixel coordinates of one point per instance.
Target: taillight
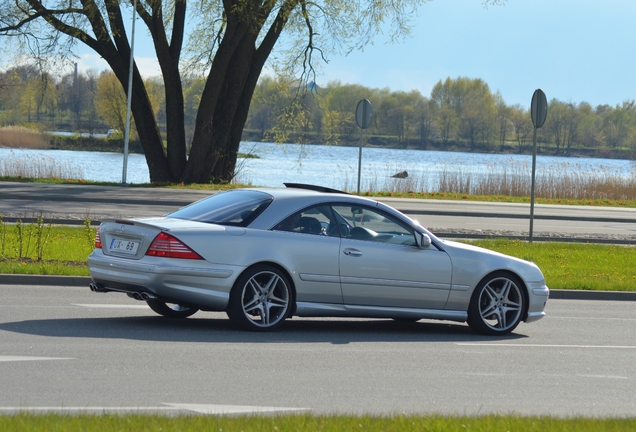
(98, 240)
(165, 245)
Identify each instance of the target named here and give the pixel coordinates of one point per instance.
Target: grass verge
(575, 265)
(64, 251)
(45, 249)
(105, 423)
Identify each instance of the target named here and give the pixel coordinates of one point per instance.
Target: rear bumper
(182, 281)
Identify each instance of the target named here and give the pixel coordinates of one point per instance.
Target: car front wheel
(260, 299)
(497, 305)
(171, 310)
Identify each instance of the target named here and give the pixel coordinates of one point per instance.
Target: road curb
(592, 295)
(44, 280)
(83, 281)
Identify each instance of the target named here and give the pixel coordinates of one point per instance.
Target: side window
(314, 220)
(365, 223)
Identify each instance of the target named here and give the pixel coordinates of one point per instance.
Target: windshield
(235, 208)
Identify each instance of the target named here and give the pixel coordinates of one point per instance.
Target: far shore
(117, 145)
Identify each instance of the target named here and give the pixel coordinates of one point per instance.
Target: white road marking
(198, 408)
(25, 358)
(111, 306)
(605, 377)
(231, 409)
(545, 346)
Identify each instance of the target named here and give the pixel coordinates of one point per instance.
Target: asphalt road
(74, 203)
(64, 349)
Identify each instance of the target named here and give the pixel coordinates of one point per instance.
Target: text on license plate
(124, 246)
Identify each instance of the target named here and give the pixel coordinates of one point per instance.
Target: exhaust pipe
(132, 294)
(97, 288)
(141, 296)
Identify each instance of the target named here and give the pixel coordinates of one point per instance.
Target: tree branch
(51, 18)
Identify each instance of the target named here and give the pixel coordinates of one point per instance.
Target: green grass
(300, 423)
(45, 249)
(565, 265)
(575, 265)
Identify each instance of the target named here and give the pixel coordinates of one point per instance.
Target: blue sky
(575, 50)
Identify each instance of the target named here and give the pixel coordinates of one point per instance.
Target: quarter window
(315, 220)
(235, 208)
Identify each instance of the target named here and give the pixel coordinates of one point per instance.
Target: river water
(330, 166)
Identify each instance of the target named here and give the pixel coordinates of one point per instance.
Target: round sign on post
(363, 113)
(363, 119)
(538, 112)
(538, 108)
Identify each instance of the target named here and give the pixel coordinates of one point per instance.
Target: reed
(21, 137)
(562, 181)
(39, 167)
(556, 181)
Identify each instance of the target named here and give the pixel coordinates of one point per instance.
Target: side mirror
(423, 240)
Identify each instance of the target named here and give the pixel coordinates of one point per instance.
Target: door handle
(352, 252)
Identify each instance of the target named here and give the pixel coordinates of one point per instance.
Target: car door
(381, 264)
(310, 243)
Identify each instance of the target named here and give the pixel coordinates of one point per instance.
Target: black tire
(497, 305)
(171, 310)
(261, 299)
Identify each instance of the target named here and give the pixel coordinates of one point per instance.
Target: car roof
(291, 199)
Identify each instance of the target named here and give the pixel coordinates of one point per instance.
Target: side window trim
(300, 222)
(370, 237)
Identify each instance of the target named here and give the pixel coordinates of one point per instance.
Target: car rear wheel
(171, 310)
(497, 305)
(260, 299)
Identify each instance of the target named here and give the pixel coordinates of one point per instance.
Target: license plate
(124, 246)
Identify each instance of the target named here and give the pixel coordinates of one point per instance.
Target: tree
(110, 101)
(588, 129)
(521, 123)
(477, 110)
(38, 94)
(503, 118)
(618, 124)
(445, 113)
(340, 106)
(398, 114)
(562, 123)
(232, 40)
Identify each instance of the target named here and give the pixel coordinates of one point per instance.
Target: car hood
(449, 244)
(469, 259)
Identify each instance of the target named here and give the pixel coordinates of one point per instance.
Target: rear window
(235, 208)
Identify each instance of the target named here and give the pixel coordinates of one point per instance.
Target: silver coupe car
(266, 254)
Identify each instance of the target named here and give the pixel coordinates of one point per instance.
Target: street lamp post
(129, 94)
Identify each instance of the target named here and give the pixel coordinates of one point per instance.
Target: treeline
(89, 102)
(459, 114)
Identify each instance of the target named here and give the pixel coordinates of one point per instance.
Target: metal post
(538, 113)
(534, 171)
(129, 94)
(363, 119)
(359, 161)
